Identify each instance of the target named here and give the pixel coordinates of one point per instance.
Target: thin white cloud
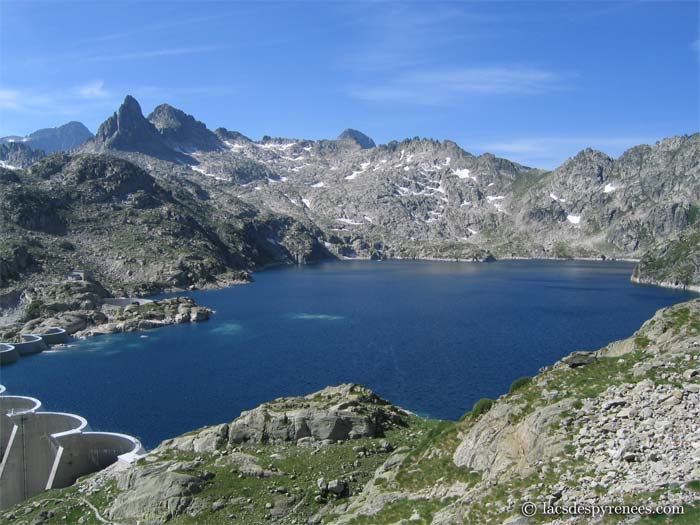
(155, 53)
(445, 85)
(402, 35)
(695, 47)
(10, 99)
(93, 90)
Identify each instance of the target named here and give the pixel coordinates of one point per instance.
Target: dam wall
(32, 344)
(45, 450)
(8, 354)
(54, 335)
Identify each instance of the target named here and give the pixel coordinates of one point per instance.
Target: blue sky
(534, 82)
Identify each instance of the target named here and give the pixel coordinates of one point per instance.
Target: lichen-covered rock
(154, 494)
(335, 413)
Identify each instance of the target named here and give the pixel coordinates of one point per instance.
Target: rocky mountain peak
(166, 116)
(61, 138)
(126, 122)
(129, 130)
(358, 137)
(587, 163)
(182, 131)
(234, 136)
(130, 107)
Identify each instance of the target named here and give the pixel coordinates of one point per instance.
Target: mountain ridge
(49, 140)
(415, 198)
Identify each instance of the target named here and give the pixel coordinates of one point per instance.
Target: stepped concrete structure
(8, 354)
(32, 344)
(45, 450)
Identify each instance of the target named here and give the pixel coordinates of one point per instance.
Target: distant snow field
(464, 173)
(555, 198)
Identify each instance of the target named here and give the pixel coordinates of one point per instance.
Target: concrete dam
(45, 450)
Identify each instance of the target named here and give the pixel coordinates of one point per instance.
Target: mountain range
(244, 203)
(49, 140)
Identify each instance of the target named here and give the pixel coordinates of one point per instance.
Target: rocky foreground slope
(616, 426)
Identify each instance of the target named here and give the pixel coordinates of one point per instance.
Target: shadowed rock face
(360, 138)
(18, 155)
(675, 263)
(182, 132)
(128, 130)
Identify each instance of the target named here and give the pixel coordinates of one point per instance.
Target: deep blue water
(430, 336)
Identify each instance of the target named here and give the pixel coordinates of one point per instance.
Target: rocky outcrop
(154, 493)
(155, 314)
(358, 137)
(499, 448)
(84, 308)
(675, 263)
(129, 130)
(204, 477)
(13, 262)
(17, 155)
(182, 132)
(335, 413)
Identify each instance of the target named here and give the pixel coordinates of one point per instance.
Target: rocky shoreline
(665, 284)
(80, 310)
(86, 308)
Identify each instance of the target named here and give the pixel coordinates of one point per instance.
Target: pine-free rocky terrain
(619, 426)
(162, 203)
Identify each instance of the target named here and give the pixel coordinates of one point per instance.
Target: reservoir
(433, 337)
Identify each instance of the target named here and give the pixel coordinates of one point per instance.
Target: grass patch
(481, 407)
(519, 383)
(422, 512)
(641, 342)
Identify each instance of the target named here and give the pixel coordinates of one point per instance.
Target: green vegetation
(33, 310)
(693, 485)
(641, 342)
(418, 511)
(681, 317)
(562, 250)
(481, 407)
(677, 261)
(519, 383)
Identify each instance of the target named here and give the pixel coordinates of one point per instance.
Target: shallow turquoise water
(431, 336)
